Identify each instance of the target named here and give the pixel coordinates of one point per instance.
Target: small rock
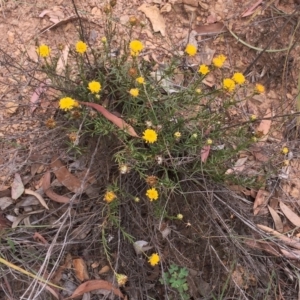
(10, 37)
(96, 11)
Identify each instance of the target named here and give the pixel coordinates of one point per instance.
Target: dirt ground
(236, 242)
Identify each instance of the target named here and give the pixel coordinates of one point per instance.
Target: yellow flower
(198, 91)
(136, 199)
(219, 61)
(203, 69)
(259, 88)
(104, 40)
(228, 84)
(194, 135)
(124, 169)
(43, 50)
(253, 117)
(177, 135)
(121, 279)
(150, 136)
(94, 87)
(152, 194)
(134, 92)
(190, 49)
(239, 78)
(140, 80)
(136, 47)
(179, 216)
(81, 47)
(67, 103)
(285, 150)
(109, 196)
(209, 141)
(154, 259)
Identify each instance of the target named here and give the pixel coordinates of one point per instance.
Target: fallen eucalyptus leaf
(141, 247)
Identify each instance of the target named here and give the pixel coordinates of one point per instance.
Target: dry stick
(10, 265)
(288, 241)
(271, 41)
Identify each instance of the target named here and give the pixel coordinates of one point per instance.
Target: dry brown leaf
(114, 119)
(11, 107)
(35, 98)
(277, 220)
(80, 269)
(38, 236)
(155, 17)
(5, 202)
(264, 126)
(17, 187)
(288, 241)
(48, 191)
(293, 217)
(104, 269)
(62, 61)
(55, 14)
(238, 166)
(18, 219)
(250, 11)
(215, 28)
(63, 175)
(262, 245)
(205, 153)
(38, 196)
(95, 285)
(260, 201)
(58, 273)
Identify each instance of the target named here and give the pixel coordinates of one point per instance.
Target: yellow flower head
(259, 88)
(94, 87)
(150, 136)
(67, 103)
(177, 135)
(134, 92)
(121, 279)
(209, 141)
(154, 259)
(140, 80)
(190, 50)
(81, 47)
(285, 150)
(179, 216)
(228, 84)
(136, 47)
(253, 117)
(238, 78)
(198, 91)
(219, 61)
(43, 50)
(104, 40)
(152, 194)
(203, 69)
(109, 196)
